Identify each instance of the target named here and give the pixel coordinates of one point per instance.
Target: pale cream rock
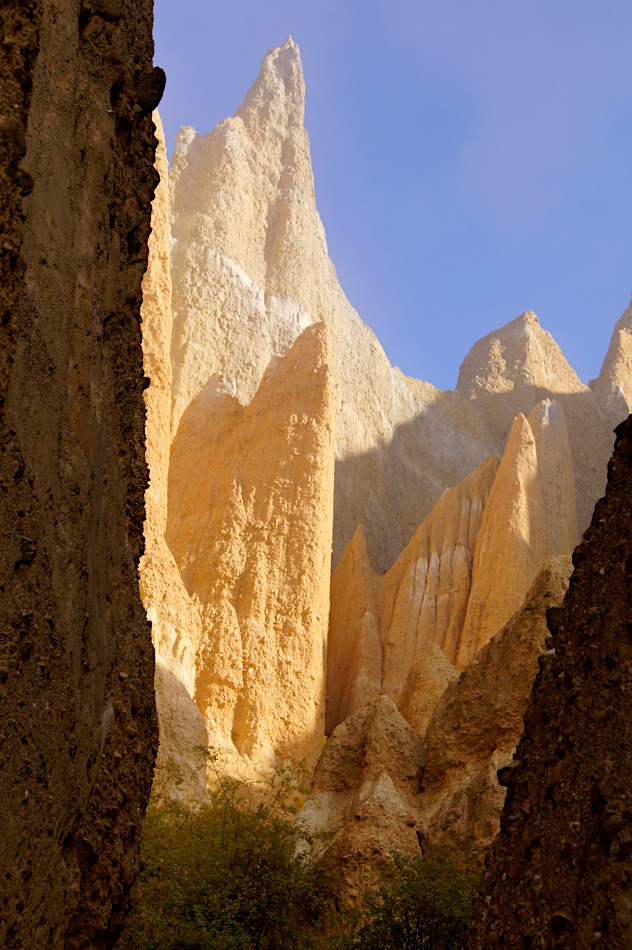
(557, 479)
(512, 369)
(381, 627)
(354, 652)
(251, 270)
(366, 793)
(180, 764)
(250, 525)
(424, 597)
(510, 545)
(613, 386)
(462, 576)
(530, 515)
(478, 721)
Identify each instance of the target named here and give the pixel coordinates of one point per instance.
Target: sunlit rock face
(250, 525)
(462, 576)
(511, 370)
(251, 269)
(613, 386)
(444, 505)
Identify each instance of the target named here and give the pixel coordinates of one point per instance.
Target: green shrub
(225, 877)
(425, 903)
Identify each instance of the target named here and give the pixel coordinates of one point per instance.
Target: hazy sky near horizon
(472, 158)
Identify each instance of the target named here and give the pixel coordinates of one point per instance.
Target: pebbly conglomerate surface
(78, 729)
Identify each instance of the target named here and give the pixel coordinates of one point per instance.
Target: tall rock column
(531, 515)
(250, 525)
(78, 728)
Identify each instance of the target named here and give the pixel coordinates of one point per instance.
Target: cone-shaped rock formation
(462, 576)
(365, 793)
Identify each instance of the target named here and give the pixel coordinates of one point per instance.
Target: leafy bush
(423, 904)
(225, 876)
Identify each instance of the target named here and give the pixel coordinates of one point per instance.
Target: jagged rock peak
(278, 94)
(613, 386)
(517, 356)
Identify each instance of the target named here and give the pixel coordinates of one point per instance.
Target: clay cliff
(251, 270)
(175, 617)
(78, 728)
(511, 370)
(558, 874)
(250, 524)
(463, 575)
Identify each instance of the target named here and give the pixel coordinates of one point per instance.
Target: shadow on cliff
(391, 489)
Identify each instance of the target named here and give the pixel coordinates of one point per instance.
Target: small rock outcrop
(78, 728)
(478, 721)
(559, 872)
(249, 524)
(365, 794)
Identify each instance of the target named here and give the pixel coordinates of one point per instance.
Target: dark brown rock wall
(19, 27)
(78, 730)
(560, 872)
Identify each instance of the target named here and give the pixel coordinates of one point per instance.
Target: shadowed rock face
(559, 872)
(478, 721)
(78, 727)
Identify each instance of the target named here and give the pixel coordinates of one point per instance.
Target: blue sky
(472, 158)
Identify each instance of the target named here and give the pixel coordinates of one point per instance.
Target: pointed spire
(277, 97)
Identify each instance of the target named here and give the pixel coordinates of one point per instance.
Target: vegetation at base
(227, 876)
(425, 904)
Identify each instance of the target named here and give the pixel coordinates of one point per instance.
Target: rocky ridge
(251, 270)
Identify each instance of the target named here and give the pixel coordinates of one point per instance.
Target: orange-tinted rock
(477, 722)
(250, 521)
(365, 793)
(613, 386)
